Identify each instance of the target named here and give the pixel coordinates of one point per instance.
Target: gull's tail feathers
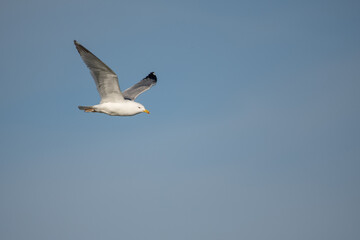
(87, 108)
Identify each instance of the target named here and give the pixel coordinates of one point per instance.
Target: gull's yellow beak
(146, 111)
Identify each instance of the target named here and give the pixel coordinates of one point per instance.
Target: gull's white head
(140, 108)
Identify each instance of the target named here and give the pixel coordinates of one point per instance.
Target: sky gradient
(253, 132)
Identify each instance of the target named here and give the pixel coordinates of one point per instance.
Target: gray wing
(142, 86)
(106, 81)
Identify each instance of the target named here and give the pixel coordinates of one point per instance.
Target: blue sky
(253, 132)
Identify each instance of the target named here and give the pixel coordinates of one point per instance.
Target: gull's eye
(139, 107)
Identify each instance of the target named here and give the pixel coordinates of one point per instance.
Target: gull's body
(113, 101)
(123, 108)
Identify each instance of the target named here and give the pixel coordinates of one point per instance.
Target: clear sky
(253, 132)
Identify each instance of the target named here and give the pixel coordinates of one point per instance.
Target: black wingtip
(80, 47)
(152, 76)
(77, 45)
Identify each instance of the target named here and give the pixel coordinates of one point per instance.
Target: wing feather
(133, 92)
(106, 80)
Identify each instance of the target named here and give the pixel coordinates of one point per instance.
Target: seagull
(113, 101)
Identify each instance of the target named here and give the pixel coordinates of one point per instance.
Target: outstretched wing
(142, 86)
(106, 81)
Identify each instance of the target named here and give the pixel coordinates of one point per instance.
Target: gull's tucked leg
(87, 109)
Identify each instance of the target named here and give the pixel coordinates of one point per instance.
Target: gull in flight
(113, 101)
